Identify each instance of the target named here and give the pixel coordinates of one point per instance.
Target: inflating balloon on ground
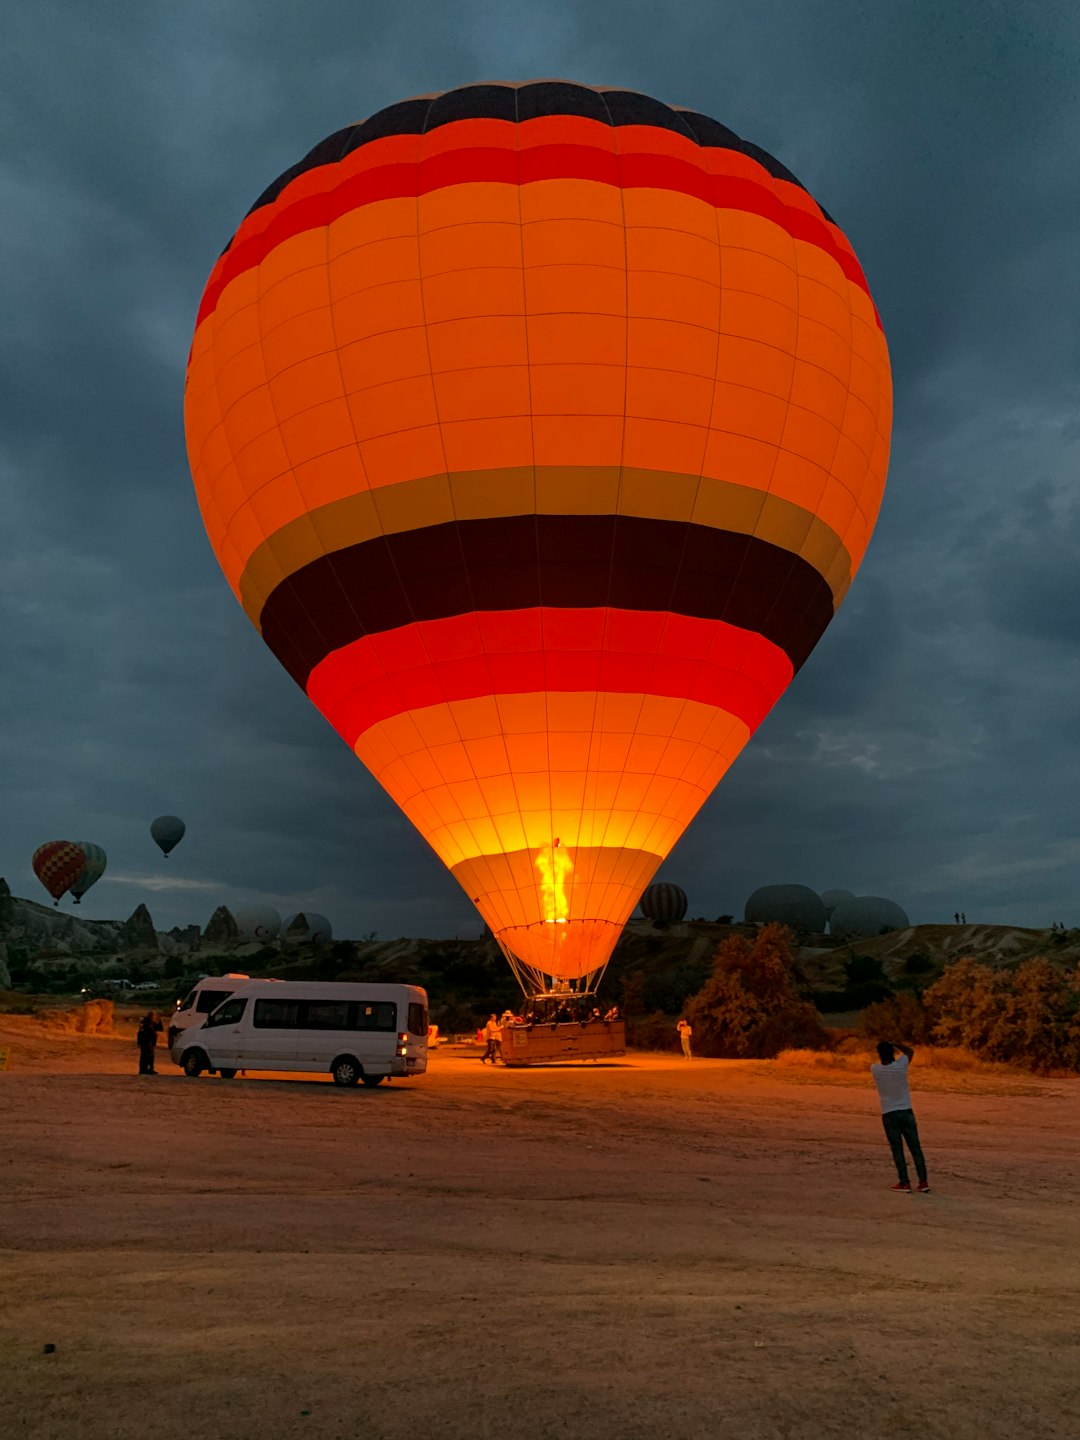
(540, 430)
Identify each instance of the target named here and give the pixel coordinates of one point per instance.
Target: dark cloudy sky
(929, 749)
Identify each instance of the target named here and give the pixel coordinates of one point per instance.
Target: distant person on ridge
(146, 1039)
(963, 918)
(493, 1036)
(956, 917)
(686, 1031)
(897, 1116)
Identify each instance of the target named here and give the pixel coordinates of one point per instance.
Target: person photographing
(897, 1116)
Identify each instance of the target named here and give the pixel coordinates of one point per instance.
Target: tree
(750, 1006)
(1029, 1016)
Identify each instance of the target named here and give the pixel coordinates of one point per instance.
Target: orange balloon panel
(540, 430)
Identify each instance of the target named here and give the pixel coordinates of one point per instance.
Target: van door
(272, 1037)
(223, 1035)
(324, 1034)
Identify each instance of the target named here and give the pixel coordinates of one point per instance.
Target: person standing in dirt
(146, 1039)
(686, 1031)
(897, 1116)
(492, 1033)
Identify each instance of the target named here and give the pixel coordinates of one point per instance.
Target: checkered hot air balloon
(540, 430)
(58, 865)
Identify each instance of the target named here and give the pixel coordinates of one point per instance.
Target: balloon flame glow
(554, 865)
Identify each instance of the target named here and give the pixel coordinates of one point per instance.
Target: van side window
(418, 1020)
(327, 1015)
(209, 1000)
(374, 1015)
(228, 1014)
(276, 1015)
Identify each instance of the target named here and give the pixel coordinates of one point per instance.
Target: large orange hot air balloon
(540, 430)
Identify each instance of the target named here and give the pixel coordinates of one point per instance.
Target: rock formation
(222, 931)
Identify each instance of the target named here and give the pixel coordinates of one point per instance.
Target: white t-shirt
(892, 1085)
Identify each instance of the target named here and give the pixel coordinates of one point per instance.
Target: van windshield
(209, 1000)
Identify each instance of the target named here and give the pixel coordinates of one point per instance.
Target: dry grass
(93, 1018)
(951, 1059)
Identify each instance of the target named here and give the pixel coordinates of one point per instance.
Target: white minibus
(351, 1030)
(206, 995)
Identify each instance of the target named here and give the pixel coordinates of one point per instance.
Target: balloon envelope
(258, 922)
(867, 915)
(318, 926)
(92, 870)
(664, 903)
(58, 865)
(540, 430)
(794, 905)
(167, 831)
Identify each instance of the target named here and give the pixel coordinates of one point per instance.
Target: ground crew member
(146, 1039)
(686, 1031)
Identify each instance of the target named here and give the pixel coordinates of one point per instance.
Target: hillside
(43, 949)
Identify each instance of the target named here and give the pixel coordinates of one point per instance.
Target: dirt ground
(648, 1249)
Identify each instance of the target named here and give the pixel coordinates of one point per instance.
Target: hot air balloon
(167, 831)
(92, 871)
(315, 927)
(832, 898)
(58, 865)
(540, 430)
(258, 922)
(794, 905)
(664, 904)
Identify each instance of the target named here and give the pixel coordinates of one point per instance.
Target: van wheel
(345, 1070)
(227, 1074)
(195, 1062)
(372, 1080)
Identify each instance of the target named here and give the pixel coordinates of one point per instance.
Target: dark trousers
(900, 1126)
(492, 1051)
(146, 1059)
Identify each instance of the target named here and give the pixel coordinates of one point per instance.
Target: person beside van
(493, 1038)
(146, 1037)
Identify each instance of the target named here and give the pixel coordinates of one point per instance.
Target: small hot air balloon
(92, 871)
(540, 429)
(58, 865)
(167, 831)
(664, 904)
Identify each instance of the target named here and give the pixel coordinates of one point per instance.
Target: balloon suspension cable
(537, 984)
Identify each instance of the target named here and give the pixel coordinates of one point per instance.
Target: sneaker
(902, 1186)
(923, 1187)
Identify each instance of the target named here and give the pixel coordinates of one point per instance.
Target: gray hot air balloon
(664, 904)
(258, 922)
(832, 898)
(167, 831)
(318, 928)
(867, 915)
(794, 905)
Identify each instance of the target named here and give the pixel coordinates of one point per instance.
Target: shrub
(1028, 1016)
(651, 1032)
(750, 1007)
(901, 1017)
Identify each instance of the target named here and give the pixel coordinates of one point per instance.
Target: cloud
(927, 750)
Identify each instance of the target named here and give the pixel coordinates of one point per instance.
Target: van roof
(327, 989)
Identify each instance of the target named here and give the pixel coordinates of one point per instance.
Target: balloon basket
(547, 1043)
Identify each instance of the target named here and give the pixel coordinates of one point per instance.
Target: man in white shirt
(891, 1079)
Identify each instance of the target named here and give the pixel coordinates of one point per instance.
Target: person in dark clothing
(146, 1038)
